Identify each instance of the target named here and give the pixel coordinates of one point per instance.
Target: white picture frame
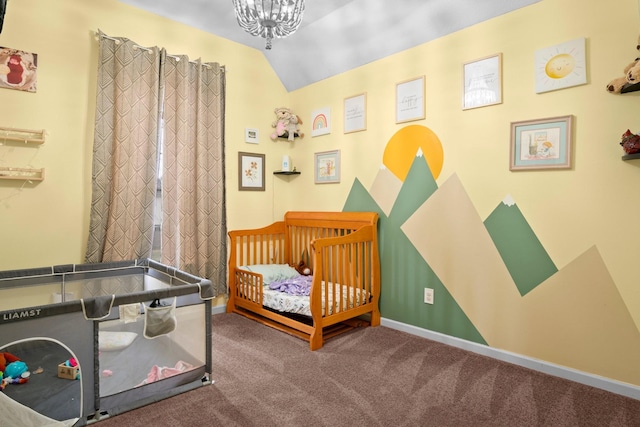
(321, 122)
(561, 66)
(482, 82)
(355, 113)
(251, 136)
(410, 100)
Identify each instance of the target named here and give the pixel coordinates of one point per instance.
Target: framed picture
(410, 100)
(355, 113)
(327, 167)
(250, 172)
(482, 82)
(21, 69)
(251, 136)
(321, 122)
(541, 144)
(561, 66)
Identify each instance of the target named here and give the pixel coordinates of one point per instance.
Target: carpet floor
(372, 377)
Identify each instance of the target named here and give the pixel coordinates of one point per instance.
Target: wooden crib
(341, 248)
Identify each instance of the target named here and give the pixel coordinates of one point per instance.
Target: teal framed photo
(327, 167)
(541, 144)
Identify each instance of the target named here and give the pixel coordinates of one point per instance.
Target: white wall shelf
(24, 174)
(21, 135)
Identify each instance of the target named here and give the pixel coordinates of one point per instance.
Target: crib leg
(315, 341)
(375, 318)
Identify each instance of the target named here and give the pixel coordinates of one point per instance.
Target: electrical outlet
(428, 296)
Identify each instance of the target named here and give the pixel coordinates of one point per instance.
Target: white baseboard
(218, 309)
(603, 383)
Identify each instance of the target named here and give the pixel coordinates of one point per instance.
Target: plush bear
(292, 127)
(286, 124)
(303, 269)
(631, 75)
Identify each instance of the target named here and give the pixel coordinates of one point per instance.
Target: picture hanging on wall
(561, 66)
(327, 167)
(355, 113)
(18, 69)
(410, 100)
(541, 144)
(482, 82)
(321, 122)
(250, 172)
(251, 136)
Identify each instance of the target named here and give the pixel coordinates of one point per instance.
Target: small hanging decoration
(630, 142)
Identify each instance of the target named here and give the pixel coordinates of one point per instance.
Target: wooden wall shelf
(22, 135)
(24, 174)
(631, 156)
(286, 173)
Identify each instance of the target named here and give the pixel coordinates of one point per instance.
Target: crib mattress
(297, 304)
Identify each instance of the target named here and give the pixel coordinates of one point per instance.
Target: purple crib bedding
(299, 285)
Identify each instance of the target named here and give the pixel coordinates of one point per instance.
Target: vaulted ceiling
(337, 35)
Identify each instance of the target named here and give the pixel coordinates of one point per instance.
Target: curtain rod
(177, 58)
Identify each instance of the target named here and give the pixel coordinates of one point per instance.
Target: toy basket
(630, 142)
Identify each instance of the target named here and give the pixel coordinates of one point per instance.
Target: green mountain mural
(404, 273)
(526, 259)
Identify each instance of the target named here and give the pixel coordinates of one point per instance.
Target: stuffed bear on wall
(631, 75)
(286, 124)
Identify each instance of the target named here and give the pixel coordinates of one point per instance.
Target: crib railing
(346, 281)
(341, 248)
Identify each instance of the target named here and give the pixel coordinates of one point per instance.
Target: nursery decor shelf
(286, 173)
(25, 174)
(286, 135)
(22, 135)
(631, 156)
(630, 88)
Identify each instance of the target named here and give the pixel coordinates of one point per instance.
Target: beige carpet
(372, 377)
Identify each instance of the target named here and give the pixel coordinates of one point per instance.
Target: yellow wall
(593, 204)
(47, 223)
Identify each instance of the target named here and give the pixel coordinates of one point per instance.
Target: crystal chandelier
(269, 18)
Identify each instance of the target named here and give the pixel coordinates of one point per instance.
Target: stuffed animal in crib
(303, 269)
(631, 74)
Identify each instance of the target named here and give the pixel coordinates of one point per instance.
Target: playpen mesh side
(185, 350)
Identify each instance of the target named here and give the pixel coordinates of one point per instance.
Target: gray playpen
(139, 331)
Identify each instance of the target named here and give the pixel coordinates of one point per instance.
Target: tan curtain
(193, 181)
(125, 152)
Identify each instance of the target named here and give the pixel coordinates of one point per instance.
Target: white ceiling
(337, 35)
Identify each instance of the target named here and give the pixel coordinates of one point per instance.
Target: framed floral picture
(250, 172)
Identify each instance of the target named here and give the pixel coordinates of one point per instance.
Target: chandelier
(269, 18)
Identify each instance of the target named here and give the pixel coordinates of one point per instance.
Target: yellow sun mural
(401, 150)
